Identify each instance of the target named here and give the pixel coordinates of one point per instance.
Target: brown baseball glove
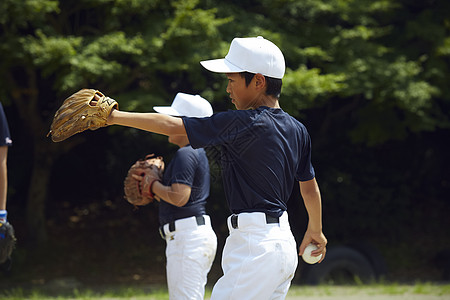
(140, 178)
(86, 109)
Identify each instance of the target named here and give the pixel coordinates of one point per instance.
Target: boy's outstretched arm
(153, 122)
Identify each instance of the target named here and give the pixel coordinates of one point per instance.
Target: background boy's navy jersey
(263, 151)
(190, 167)
(5, 136)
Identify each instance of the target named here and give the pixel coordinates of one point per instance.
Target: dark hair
(273, 84)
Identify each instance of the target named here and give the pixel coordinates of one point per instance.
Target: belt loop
(172, 226)
(234, 221)
(200, 220)
(272, 220)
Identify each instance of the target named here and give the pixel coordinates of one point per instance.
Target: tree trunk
(38, 191)
(42, 151)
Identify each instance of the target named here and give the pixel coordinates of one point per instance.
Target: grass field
(419, 291)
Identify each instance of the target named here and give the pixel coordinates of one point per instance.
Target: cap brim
(166, 110)
(220, 65)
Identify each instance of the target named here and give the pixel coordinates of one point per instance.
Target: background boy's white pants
(190, 252)
(259, 259)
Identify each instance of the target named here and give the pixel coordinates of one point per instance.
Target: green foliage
(444, 49)
(346, 49)
(304, 88)
(16, 15)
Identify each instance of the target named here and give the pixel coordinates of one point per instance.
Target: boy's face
(242, 96)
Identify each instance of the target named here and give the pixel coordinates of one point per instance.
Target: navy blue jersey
(263, 152)
(190, 167)
(5, 136)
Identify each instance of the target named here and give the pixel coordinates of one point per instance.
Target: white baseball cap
(186, 105)
(252, 54)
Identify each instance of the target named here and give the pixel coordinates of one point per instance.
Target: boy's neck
(268, 101)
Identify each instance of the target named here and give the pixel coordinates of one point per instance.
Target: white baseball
(307, 254)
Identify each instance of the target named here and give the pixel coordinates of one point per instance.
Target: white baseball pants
(259, 259)
(190, 252)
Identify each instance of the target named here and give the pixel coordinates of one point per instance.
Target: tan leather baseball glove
(86, 109)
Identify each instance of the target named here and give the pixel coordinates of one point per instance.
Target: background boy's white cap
(186, 105)
(252, 54)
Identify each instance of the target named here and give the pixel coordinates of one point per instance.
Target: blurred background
(369, 79)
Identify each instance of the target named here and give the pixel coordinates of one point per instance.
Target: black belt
(269, 220)
(199, 219)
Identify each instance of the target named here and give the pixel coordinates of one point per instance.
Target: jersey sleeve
(305, 169)
(5, 136)
(183, 169)
(219, 129)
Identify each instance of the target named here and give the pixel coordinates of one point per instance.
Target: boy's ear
(260, 81)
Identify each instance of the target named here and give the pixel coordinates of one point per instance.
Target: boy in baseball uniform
(264, 151)
(191, 243)
(5, 143)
